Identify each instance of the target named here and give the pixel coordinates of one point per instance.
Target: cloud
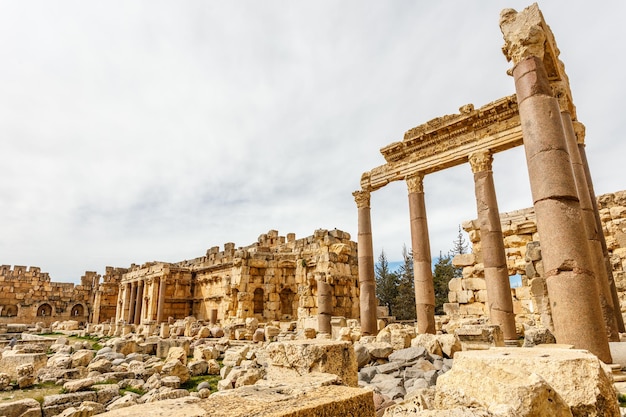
(143, 131)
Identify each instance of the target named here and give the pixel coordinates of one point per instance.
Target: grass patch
(622, 399)
(36, 392)
(194, 381)
(137, 391)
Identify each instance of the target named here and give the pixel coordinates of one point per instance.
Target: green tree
(404, 303)
(386, 283)
(444, 271)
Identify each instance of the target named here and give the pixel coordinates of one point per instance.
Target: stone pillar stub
(324, 306)
(494, 257)
(571, 285)
(367, 282)
(422, 262)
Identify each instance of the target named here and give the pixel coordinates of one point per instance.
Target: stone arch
(77, 311)
(258, 301)
(44, 310)
(286, 302)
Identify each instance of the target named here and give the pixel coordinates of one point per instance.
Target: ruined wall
(105, 295)
(28, 296)
(275, 278)
(468, 294)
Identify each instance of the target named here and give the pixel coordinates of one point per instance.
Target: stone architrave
(494, 257)
(367, 282)
(324, 306)
(570, 281)
(422, 263)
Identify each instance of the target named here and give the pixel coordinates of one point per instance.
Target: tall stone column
(133, 303)
(138, 303)
(324, 305)
(580, 135)
(422, 262)
(573, 292)
(95, 319)
(492, 244)
(161, 298)
(591, 229)
(367, 282)
(119, 310)
(125, 305)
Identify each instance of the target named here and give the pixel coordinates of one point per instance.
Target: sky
(151, 131)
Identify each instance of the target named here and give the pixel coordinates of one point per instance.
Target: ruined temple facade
(468, 295)
(276, 278)
(27, 295)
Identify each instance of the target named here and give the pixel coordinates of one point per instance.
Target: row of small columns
(131, 304)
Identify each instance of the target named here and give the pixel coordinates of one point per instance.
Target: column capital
(579, 130)
(415, 183)
(524, 34)
(362, 198)
(480, 161)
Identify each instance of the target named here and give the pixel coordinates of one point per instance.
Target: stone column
(492, 243)
(580, 134)
(133, 303)
(95, 319)
(591, 229)
(138, 303)
(573, 292)
(324, 306)
(126, 303)
(422, 262)
(161, 298)
(119, 309)
(367, 282)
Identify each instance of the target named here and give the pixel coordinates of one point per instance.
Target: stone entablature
(27, 295)
(447, 141)
(273, 279)
(468, 296)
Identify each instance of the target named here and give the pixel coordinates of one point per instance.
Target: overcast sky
(133, 131)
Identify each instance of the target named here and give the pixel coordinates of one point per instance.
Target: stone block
(301, 357)
(10, 362)
(577, 376)
(474, 284)
(479, 337)
(465, 259)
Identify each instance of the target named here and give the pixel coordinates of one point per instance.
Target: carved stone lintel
(579, 129)
(362, 198)
(415, 183)
(480, 161)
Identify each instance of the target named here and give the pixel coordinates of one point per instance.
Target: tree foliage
(444, 271)
(404, 304)
(386, 283)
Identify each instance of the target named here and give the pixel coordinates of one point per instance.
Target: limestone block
(82, 357)
(455, 284)
(176, 368)
(474, 337)
(452, 297)
(481, 296)
(300, 357)
(577, 376)
(78, 385)
(465, 296)
(22, 408)
(474, 284)
(401, 338)
(499, 389)
(465, 259)
(10, 362)
(617, 212)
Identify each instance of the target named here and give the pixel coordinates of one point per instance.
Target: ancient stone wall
(468, 296)
(273, 279)
(28, 296)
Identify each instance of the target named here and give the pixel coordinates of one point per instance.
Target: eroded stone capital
(523, 33)
(415, 183)
(579, 130)
(480, 161)
(362, 198)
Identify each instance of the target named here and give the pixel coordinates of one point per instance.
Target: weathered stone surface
(10, 362)
(577, 376)
(21, 408)
(78, 385)
(300, 357)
